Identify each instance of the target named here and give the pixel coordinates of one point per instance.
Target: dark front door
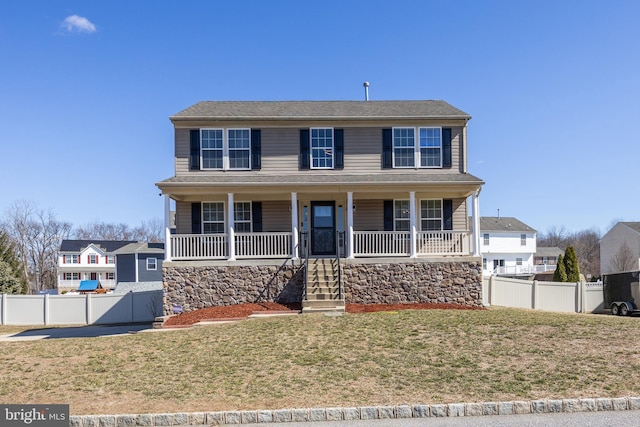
(323, 228)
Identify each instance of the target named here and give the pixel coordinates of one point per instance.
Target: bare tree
(37, 235)
(624, 259)
(150, 231)
(586, 244)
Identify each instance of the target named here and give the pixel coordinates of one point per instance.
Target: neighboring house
(546, 258)
(139, 262)
(620, 248)
(321, 202)
(507, 246)
(80, 260)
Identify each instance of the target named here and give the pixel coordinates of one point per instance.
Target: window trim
(485, 239)
(523, 239)
(91, 257)
(432, 219)
(332, 148)
(407, 219)
(224, 217)
(417, 147)
(249, 221)
(226, 160)
(155, 264)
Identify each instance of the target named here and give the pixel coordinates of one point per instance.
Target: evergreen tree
(571, 265)
(12, 268)
(560, 275)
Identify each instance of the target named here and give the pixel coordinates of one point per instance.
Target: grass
(386, 358)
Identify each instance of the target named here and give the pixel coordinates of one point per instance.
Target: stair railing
(304, 255)
(340, 235)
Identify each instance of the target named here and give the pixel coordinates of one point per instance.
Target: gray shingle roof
(548, 251)
(632, 225)
(494, 223)
(79, 245)
(140, 247)
(305, 110)
(313, 179)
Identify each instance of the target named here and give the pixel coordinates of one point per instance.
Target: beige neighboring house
(321, 203)
(620, 248)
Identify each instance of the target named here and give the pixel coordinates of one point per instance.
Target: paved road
(576, 419)
(75, 332)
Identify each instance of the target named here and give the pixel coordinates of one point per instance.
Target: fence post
(581, 297)
(491, 289)
(534, 294)
(88, 308)
(3, 310)
(46, 309)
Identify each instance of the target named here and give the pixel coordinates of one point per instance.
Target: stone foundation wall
(200, 286)
(390, 283)
(196, 287)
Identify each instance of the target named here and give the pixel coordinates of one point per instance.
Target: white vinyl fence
(552, 296)
(88, 309)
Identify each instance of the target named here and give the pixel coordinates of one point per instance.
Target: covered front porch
(354, 224)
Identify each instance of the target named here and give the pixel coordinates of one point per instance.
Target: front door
(323, 228)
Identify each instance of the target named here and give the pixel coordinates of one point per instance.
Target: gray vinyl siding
(280, 151)
(369, 215)
(145, 275)
(460, 214)
(276, 216)
(126, 268)
(183, 217)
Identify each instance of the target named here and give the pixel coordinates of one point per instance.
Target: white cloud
(75, 23)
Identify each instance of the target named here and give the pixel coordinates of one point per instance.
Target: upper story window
(93, 258)
(426, 154)
(71, 259)
(111, 259)
(152, 263)
(485, 238)
(321, 148)
(523, 240)
(225, 148)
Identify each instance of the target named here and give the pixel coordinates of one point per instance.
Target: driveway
(76, 332)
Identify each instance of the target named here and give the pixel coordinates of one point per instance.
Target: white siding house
(620, 248)
(507, 246)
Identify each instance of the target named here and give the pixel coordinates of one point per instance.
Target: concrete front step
(322, 304)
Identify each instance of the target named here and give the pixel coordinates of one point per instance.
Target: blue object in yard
(48, 292)
(89, 285)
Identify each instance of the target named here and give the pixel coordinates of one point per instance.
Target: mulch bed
(242, 311)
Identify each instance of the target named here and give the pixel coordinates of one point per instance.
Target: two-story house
(321, 202)
(620, 248)
(87, 260)
(507, 245)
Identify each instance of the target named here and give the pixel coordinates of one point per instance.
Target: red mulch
(241, 311)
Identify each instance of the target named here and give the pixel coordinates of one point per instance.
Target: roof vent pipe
(366, 90)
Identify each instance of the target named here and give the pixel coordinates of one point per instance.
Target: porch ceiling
(183, 187)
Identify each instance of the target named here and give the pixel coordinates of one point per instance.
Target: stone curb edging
(357, 413)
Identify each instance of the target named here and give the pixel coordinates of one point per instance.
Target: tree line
(30, 239)
(585, 244)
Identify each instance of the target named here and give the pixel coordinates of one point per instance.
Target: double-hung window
(426, 153)
(431, 215)
(242, 217)
(93, 259)
(214, 213)
(213, 217)
(71, 259)
(523, 240)
(401, 215)
(322, 148)
(225, 148)
(152, 263)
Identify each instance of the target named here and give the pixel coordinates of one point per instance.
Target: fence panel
(67, 310)
(554, 296)
(24, 310)
(511, 292)
(593, 298)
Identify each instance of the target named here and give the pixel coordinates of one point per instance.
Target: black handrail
(267, 288)
(304, 243)
(340, 238)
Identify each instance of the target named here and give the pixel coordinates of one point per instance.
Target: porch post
(167, 228)
(412, 220)
(230, 230)
(294, 225)
(475, 208)
(350, 225)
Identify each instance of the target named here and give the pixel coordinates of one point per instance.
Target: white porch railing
(106, 283)
(523, 269)
(263, 245)
(443, 243)
(381, 243)
(199, 246)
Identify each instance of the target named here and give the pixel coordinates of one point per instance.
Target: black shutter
(196, 218)
(447, 213)
(256, 149)
(387, 148)
(304, 149)
(338, 144)
(388, 215)
(256, 216)
(194, 151)
(446, 147)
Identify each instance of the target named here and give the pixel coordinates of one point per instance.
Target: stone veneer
(199, 285)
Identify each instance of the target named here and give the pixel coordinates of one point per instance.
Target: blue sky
(86, 89)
